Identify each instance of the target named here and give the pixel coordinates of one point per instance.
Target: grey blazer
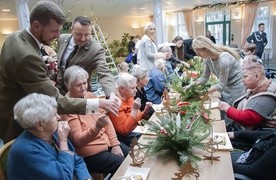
(90, 57)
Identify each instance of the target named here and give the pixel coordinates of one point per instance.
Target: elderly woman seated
(39, 152)
(156, 85)
(93, 135)
(141, 74)
(256, 108)
(129, 111)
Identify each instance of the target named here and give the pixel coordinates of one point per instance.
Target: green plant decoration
(119, 48)
(178, 136)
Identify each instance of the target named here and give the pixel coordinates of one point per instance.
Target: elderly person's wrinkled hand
(63, 130)
(148, 107)
(109, 105)
(117, 150)
(102, 121)
(136, 104)
(223, 106)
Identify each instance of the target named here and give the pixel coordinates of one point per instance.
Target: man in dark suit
(89, 55)
(189, 53)
(258, 38)
(23, 70)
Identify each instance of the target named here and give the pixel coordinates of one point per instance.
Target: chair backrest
(4, 151)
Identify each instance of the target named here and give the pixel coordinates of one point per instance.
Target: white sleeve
(92, 105)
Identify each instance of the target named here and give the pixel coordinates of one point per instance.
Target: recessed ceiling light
(142, 8)
(6, 10)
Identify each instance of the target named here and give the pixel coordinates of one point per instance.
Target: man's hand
(114, 98)
(117, 150)
(109, 105)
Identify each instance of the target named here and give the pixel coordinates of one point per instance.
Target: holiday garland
(222, 5)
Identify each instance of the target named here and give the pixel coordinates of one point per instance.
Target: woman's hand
(223, 106)
(136, 104)
(147, 108)
(102, 121)
(63, 130)
(117, 150)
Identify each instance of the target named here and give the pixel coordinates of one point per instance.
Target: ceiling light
(142, 8)
(6, 10)
(168, 2)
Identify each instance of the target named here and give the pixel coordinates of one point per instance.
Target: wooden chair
(4, 151)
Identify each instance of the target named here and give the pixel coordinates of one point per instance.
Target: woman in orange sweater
(129, 112)
(92, 135)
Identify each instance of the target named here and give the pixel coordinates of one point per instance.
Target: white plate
(131, 172)
(223, 141)
(213, 105)
(143, 130)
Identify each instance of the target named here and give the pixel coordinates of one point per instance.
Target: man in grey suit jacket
(258, 38)
(23, 71)
(90, 55)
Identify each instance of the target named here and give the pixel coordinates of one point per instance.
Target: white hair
(34, 108)
(72, 74)
(139, 72)
(159, 63)
(125, 80)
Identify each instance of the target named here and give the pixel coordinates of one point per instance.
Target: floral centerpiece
(185, 124)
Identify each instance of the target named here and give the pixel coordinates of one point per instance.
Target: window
(174, 25)
(218, 22)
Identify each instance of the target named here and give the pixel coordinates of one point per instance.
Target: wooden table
(161, 170)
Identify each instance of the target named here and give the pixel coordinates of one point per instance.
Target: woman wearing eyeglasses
(256, 108)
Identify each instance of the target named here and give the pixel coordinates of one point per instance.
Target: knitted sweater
(86, 138)
(228, 71)
(124, 123)
(32, 158)
(263, 103)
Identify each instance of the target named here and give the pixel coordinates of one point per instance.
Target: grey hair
(160, 63)
(125, 80)
(72, 74)
(204, 43)
(166, 49)
(253, 63)
(139, 72)
(34, 108)
(44, 11)
(148, 26)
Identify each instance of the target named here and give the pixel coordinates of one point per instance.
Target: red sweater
(246, 117)
(124, 123)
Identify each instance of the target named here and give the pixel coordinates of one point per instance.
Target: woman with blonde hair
(148, 52)
(223, 62)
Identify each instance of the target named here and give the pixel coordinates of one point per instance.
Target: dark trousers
(259, 55)
(106, 162)
(128, 139)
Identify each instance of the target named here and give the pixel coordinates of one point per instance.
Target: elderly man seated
(256, 108)
(93, 135)
(129, 112)
(39, 152)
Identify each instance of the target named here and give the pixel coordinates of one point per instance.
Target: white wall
(7, 27)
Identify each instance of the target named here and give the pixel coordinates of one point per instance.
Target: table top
(164, 170)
